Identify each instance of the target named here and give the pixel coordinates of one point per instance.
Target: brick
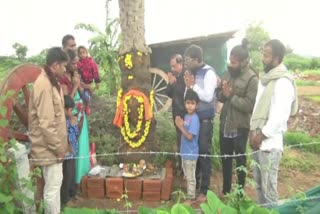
(151, 185)
(96, 192)
(84, 186)
(95, 182)
(169, 172)
(114, 195)
(134, 195)
(169, 164)
(166, 188)
(133, 185)
(114, 187)
(151, 196)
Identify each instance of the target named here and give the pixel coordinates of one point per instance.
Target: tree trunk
(134, 62)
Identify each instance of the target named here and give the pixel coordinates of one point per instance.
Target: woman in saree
(70, 84)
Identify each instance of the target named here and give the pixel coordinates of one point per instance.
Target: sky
(41, 24)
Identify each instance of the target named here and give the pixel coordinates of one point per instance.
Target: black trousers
(178, 142)
(229, 146)
(203, 170)
(68, 188)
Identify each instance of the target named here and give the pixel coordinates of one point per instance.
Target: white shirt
(279, 113)
(210, 83)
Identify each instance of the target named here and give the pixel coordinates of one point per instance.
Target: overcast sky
(41, 24)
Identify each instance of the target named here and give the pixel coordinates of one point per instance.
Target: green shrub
(307, 83)
(295, 138)
(69, 210)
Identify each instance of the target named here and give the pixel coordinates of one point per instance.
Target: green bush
(296, 62)
(101, 130)
(296, 138)
(306, 83)
(69, 210)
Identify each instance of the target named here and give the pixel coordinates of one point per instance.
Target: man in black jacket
(175, 90)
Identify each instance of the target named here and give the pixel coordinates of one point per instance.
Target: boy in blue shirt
(68, 188)
(189, 149)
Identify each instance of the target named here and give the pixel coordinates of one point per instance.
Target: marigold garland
(126, 132)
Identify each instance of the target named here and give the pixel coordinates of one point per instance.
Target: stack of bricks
(114, 187)
(151, 190)
(135, 188)
(167, 182)
(96, 187)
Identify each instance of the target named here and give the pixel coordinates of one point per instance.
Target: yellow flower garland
(128, 61)
(125, 129)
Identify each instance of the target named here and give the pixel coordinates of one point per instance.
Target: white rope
(167, 153)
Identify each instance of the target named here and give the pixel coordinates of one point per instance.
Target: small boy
(89, 72)
(68, 188)
(189, 149)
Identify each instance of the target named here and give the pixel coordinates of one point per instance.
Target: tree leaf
(213, 201)
(3, 158)
(146, 210)
(3, 111)
(4, 123)
(206, 209)
(5, 198)
(179, 209)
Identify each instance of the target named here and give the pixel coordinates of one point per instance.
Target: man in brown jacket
(237, 92)
(47, 127)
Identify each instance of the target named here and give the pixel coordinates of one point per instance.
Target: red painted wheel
(15, 92)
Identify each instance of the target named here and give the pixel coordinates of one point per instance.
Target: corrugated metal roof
(227, 35)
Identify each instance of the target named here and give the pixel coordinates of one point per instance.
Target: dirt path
(308, 90)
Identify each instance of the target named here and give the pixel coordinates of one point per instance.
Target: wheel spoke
(162, 95)
(155, 107)
(161, 80)
(160, 89)
(21, 113)
(159, 101)
(26, 94)
(154, 80)
(19, 136)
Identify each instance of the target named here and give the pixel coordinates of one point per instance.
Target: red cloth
(65, 81)
(88, 70)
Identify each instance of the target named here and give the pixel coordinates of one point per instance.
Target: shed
(214, 50)
(214, 53)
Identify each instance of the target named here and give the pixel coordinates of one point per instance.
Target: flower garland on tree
(123, 110)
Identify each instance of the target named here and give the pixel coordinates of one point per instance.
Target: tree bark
(134, 62)
(132, 26)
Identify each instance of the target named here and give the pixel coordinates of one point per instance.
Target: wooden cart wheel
(15, 88)
(159, 82)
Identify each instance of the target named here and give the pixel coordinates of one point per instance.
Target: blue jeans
(265, 173)
(203, 171)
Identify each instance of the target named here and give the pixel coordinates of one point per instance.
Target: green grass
(315, 98)
(300, 161)
(310, 72)
(307, 83)
(69, 210)
(295, 138)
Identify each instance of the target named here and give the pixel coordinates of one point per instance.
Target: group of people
(255, 109)
(58, 125)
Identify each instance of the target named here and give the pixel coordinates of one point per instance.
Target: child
(68, 188)
(189, 149)
(89, 71)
